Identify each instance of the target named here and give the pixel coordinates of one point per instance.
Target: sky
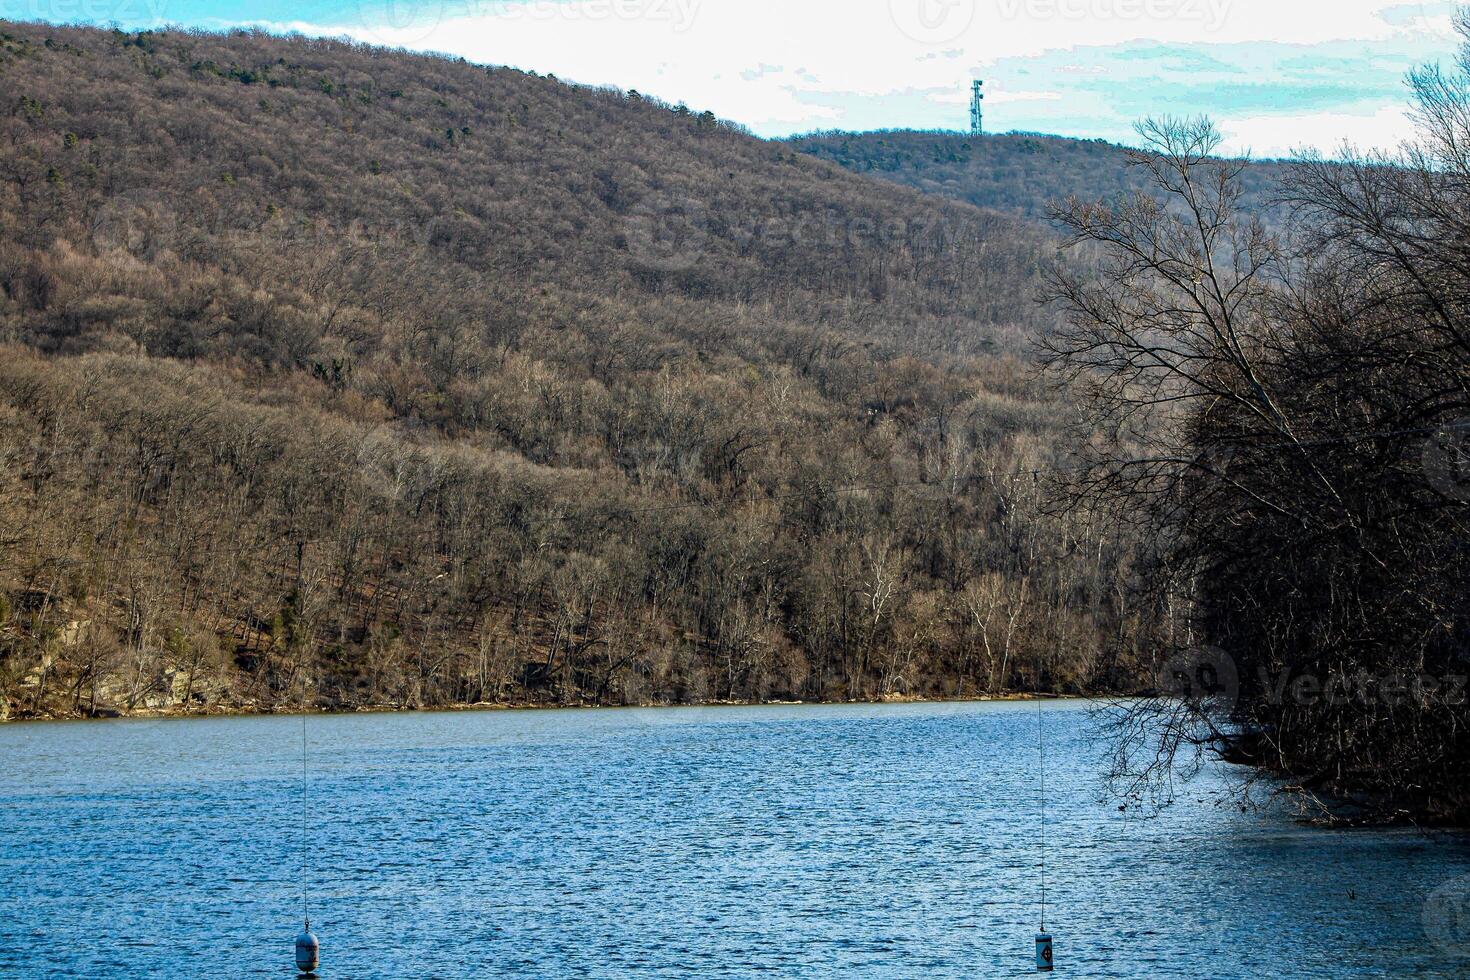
(1277, 76)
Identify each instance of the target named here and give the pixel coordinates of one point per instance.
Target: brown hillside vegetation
(424, 383)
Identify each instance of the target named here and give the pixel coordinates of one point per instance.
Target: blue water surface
(885, 841)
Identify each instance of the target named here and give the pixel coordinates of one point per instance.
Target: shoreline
(175, 714)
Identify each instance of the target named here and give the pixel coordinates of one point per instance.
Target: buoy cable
(1041, 751)
(305, 911)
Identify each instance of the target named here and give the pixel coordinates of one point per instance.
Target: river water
(887, 841)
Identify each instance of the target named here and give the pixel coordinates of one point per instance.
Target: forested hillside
(1020, 173)
(404, 381)
(1303, 499)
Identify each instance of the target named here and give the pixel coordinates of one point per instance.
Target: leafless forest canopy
(1017, 173)
(388, 380)
(1289, 435)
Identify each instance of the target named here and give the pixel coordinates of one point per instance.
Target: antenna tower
(977, 108)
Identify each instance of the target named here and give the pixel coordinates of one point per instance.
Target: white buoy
(1043, 953)
(308, 950)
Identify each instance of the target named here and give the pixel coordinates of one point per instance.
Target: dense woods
(1290, 417)
(1017, 173)
(389, 380)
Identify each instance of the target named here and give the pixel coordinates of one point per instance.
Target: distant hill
(1019, 173)
(420, 382)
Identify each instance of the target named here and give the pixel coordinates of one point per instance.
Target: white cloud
(782, 65)
(962, 97)
(1284, 135)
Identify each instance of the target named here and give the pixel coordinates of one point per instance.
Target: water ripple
(895, 841)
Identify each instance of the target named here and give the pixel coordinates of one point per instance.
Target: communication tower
(977, 108)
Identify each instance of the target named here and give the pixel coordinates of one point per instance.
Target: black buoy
(308, 951)
(1044, 962)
